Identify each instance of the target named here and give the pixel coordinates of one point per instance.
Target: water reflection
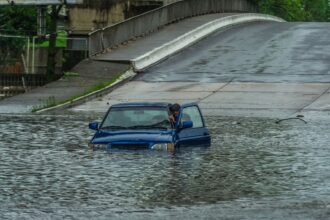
(46, 165)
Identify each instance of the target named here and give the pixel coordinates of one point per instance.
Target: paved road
(258, 69)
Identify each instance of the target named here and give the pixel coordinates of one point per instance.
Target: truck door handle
(206, 133)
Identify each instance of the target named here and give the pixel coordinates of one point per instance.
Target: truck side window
(192, 114)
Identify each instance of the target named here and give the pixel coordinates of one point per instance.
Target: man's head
(175, 109)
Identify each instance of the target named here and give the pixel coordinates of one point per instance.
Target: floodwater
(255, 169)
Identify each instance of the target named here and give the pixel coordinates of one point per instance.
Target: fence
(27, 80)
(23, 61)
(12, 53)
(12, 84)
(19, 54)
(148, 22)
(75, 51)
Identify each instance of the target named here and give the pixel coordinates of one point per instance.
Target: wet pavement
(262, 69)
(255, 169)
(88, 75)
(264, 52)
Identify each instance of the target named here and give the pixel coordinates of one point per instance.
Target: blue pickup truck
(147, 126)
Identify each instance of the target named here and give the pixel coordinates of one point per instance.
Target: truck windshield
(136, 118)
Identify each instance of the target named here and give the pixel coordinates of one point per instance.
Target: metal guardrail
(114, 35)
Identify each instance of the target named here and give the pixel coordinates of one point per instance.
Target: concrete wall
(153, 2)
(40, 61)
(86, 19)
(94, 15)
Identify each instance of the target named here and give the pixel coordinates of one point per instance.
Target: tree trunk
(51, 60)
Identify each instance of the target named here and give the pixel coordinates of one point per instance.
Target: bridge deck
(260, 69)
(168, 33)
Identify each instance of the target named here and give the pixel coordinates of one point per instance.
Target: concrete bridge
(256, 69)
(260, 67)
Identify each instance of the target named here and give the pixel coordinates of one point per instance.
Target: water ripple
(47, 167)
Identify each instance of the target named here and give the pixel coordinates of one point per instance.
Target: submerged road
(262, 69)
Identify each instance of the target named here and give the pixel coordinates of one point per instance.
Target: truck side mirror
(94, 126)
(187, 124)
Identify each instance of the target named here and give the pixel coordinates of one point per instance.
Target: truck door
(198, 134)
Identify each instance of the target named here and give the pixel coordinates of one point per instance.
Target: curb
(160, 53)
(127, 76)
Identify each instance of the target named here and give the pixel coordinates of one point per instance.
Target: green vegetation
(295, 10)
(61, 41)
(10, 48)
(52, 102)
(18, 20)
(48, 103)
(71, 74)
(22, 20)
(15, 21)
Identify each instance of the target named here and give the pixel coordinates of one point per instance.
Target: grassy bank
(52, 101)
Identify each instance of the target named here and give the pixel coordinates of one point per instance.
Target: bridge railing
(148, 22)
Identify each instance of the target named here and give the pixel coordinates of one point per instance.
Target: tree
(10, 48)
(22, 20)
(328, 13)
(51, 60)
(15, 20)
(18, 20)
(295, 10)
(316, 10)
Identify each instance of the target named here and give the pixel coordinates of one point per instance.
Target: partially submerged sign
(40, 2)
